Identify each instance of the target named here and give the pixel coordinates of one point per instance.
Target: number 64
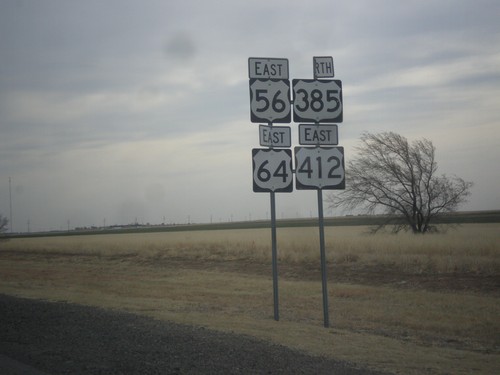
(264, 174)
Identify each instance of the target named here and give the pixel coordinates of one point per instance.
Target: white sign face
(263, 67)
(275, 136)
(317, 100)
(272, 170)
(270, 100)
(319, 168)
(323, 66)
(311, 134)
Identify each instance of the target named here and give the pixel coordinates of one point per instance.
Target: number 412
(308, 167)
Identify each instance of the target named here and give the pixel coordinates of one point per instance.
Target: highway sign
(270, 100)
(316, 134)
(317, 100)
(319, 168)
(272, 170)
(275, 136)
(323, 66)
(264, 67)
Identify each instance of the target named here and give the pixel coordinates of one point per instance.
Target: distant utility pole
(10, 198)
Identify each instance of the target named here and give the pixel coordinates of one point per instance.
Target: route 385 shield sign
(272, 170)
(317, 100)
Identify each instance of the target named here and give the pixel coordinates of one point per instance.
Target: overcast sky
(119, 110)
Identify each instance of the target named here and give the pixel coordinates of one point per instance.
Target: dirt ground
(234, 295)
(352, 274)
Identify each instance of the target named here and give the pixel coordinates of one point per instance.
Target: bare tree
(400, 178)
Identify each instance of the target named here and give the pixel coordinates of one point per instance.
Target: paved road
(58, 338)
(9, 366)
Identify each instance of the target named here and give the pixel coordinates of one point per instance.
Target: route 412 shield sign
(319, 168)
(272, 170)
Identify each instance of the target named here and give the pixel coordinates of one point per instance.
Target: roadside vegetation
(471, 248)
(398, 302)
(400, 178)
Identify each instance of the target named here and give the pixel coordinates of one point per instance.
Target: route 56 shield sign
(272, 170)
(270, 100)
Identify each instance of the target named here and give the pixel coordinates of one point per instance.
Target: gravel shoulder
(62, 338)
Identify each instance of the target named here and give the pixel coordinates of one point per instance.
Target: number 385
(317, 100)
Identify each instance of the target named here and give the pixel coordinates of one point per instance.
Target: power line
(10, 199)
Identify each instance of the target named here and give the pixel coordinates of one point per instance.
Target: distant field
(471, 217)
(404, 303)
(467, 248)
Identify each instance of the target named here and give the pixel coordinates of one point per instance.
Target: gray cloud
(180, 47)
(109, 107)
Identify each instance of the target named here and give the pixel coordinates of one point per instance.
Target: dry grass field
(402, 303)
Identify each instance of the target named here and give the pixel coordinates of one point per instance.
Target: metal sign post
(274, 250)
(272, 167)
(318, 103)
(326, 318)
(272, 172)
(319, 168)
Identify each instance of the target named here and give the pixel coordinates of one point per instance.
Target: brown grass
(222, 280)
(468, 248)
